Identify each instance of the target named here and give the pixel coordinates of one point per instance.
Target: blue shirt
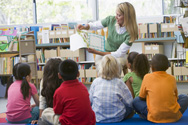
(109, 99)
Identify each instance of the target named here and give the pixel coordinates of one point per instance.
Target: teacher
(122, 32)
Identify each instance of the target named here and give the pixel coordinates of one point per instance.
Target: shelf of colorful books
(67, 44)
(153, 40)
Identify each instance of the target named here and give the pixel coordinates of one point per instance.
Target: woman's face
(119, 18)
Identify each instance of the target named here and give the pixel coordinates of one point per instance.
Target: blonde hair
(130, 23)
(109, 68)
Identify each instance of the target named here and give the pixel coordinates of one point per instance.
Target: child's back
(161, 97)
(110, 98)
(71, 99)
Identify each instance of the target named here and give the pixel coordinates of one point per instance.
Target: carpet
(137, 120)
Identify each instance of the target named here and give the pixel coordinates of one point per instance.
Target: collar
(71, 81)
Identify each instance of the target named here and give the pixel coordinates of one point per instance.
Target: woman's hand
(83, 27)
(32, 106)
(94, 51)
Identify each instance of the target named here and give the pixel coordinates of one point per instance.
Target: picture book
(84, 39)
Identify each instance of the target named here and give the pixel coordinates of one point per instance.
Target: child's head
(24, 73)
(141, 65)
(68, 70)
(109, 68)
(51, 80)
(159, 62)
(130, 59)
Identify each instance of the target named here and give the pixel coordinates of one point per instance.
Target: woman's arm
(91, 50)
(91, 26)
(129, 85)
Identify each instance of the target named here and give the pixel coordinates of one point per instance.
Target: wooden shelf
(5, 74)
(9, 54)
(165, 39)
(53, 45)
(182, 81)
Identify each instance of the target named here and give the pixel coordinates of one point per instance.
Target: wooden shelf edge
(53, 45)
(165, 39)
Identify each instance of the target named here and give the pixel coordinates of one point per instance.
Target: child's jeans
(140, 106)
(34, 116)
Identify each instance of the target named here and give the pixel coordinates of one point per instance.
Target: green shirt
(137, 81)
(114, 39)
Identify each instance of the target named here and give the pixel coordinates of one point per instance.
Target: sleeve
(121, 51)
(96, 25)
(126, 95)
(106, 21)
(42, 99)
(33, 89)
(57, 103)
(143, 91)
(127, 40)
(127, 76)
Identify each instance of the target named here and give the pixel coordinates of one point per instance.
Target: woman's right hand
(83, 27)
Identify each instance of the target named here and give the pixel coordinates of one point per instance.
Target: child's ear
(28, 78)
(59, 76)
(78, 74)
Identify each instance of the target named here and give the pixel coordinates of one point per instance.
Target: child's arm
(129, 85)
(36, 99)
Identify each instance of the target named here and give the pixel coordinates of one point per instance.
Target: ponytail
(23, 71)
(25, 88)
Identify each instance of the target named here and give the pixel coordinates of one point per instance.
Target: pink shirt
(19, 109)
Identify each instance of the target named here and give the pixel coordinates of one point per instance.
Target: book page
(77, 42)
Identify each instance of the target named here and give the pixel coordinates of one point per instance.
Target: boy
(160, 92)
(71, 100)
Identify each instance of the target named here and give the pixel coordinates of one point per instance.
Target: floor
(182, 89)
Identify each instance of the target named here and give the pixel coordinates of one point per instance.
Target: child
(49, 84)
(139, 66)
(110, 98)
(162, 105)
(19, 109)
(71, 100)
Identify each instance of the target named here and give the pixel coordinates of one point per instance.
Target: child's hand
(34, 122)
(32, 106)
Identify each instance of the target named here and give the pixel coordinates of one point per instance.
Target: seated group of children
(64, 100)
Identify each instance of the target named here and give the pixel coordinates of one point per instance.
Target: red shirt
(71, 101)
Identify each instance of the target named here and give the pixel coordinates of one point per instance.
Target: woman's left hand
(94, 51)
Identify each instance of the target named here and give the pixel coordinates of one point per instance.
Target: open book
(84, 39)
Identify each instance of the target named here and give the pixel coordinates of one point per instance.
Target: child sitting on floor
(19, 95)
(71, 104)
(139, 66)
(110, 98)
(162, 105)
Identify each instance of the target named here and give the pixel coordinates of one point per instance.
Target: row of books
(156, 30)
(6, 64)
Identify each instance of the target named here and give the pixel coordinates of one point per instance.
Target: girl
(110, 98)
(19, 109)
(139, 66)
(48, 85)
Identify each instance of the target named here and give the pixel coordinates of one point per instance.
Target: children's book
(84, 39)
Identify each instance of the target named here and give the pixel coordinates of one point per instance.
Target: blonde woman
(110, 98)
(122, 32)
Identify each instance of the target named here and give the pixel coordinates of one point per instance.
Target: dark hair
(23, 70)
(68, 69)
(141, 65)
(160, 62)
(131, 57)
(50, 80)
(10, 80)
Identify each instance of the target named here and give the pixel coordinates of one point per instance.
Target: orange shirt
(160, 91)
